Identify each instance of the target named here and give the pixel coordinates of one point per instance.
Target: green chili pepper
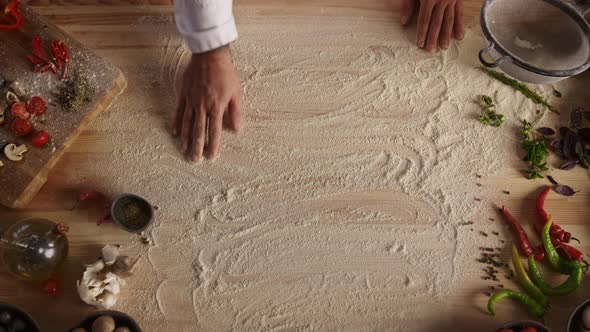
(569, 286)
(528, 302)
(557, 263)
(524, 280)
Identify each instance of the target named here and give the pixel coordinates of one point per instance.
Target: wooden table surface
(98, 24)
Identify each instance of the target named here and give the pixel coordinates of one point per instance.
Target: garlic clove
(106, 300)
(96, 266)
(86, 295)
(110, 254)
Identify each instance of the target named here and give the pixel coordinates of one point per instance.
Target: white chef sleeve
(205, 24)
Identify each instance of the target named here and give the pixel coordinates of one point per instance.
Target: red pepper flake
(12, 11)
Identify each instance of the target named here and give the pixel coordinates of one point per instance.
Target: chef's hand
(209, 101)
(438, 20)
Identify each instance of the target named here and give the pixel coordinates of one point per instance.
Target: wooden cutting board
(21, 181)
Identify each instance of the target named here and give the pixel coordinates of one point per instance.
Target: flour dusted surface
(341, 205)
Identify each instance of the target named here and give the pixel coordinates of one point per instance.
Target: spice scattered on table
(75, 93)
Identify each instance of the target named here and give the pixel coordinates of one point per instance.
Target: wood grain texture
(106, 29)
(20, 182)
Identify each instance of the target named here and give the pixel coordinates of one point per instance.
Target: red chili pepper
(61, 54)
(50, 287)
(36, 106)
(567, 251)
(21, 127)
(40, 138)
(555, 231)
(12, 11)
(518, 232)
(539, 253)
(39, 59)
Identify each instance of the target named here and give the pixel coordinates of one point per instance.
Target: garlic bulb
(102, 280)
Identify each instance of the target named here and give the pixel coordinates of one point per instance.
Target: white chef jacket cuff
(207, 40)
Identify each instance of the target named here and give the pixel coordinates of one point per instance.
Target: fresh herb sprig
(525, 90)
(536, 150)
(489, 115)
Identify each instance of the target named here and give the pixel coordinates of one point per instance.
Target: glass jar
(34, 249)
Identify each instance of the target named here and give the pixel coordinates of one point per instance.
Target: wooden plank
(20, 182)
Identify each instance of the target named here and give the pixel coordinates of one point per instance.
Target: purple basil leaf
(567, 165)
(552, 180)
(570, 142)
(586, 115)
(545, 131)
(585, 134)
(557, 147)
(564, 190)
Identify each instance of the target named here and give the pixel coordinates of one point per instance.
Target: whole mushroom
(122, 329)
(104, 324)
(15, 153)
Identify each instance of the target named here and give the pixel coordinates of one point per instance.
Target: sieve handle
(486, 63)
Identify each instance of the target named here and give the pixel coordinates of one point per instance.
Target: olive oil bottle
(34, 249)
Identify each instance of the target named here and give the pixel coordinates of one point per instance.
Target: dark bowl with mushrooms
(107, 321)
(519, 325)
(580, 318)
(15, 319)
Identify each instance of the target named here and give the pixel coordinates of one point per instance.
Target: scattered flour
(338, 208)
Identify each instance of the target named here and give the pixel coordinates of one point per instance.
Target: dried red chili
(12, 11)
(61, 56)
(518, 232)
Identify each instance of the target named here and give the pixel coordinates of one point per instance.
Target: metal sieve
(536, 41)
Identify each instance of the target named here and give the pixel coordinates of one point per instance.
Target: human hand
(209, 100)
(438, 21)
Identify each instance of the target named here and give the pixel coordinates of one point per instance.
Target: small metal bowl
(30, 324)
(142, 208)
(521, 324)
(574, 323)
(121, 319)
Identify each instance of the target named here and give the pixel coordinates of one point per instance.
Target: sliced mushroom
(15, 153)
(11, 98)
